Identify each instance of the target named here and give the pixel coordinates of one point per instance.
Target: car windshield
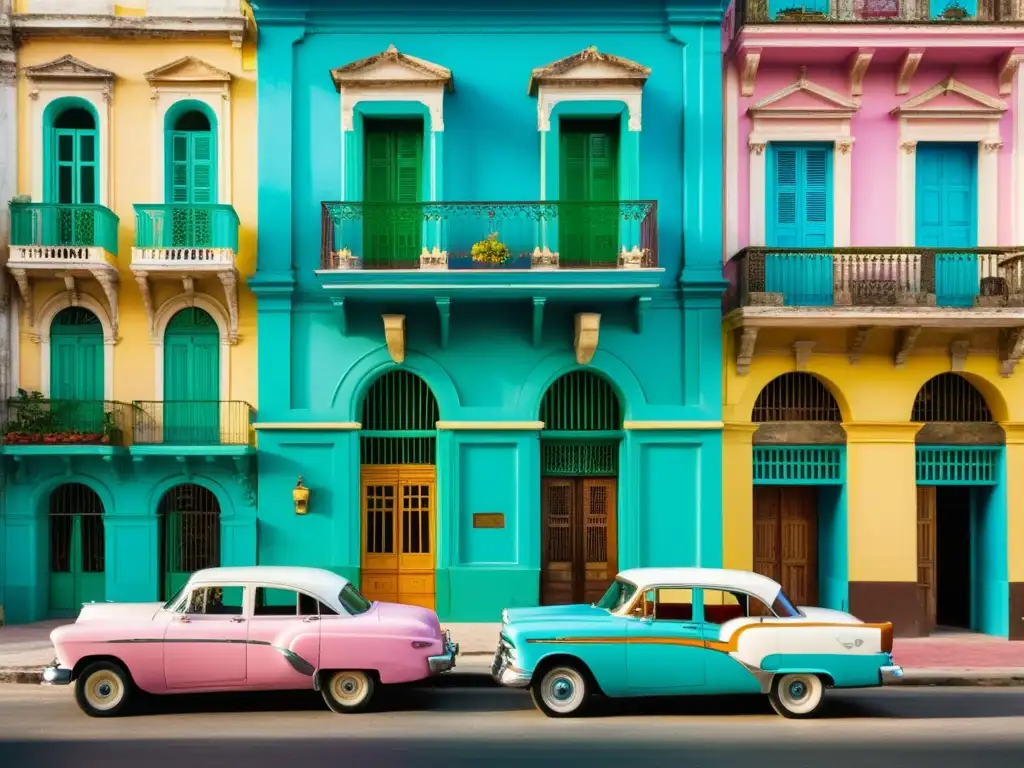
(177, 596)
(353, 601)
(782, 606)
(618, 594)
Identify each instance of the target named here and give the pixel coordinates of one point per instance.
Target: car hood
(829, 615)
(118, 611)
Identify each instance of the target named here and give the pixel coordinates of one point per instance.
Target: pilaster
(738, 495)
(1014, 479)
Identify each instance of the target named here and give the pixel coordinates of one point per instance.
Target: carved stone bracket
(394, 335)
(909, 147)
(71, 289)
(958, 354)
(110, 283)
(229, 279)
(1007, 69)
(757, 149)
(859, 63)
(25, 289)
(745, 350)
(905, 345)
(748, 71)
(907, 69)
(802, 353)
(855, 347)
(992, 146)
(844, 146)
(142, 280)
(1011, 349)
(585, 337)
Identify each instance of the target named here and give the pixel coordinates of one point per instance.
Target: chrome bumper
(55, 674)
(446, 660)
(890, 674)
(504, 671)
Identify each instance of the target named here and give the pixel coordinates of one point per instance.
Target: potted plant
(491, 252)
(111, 432)
(955, 12)
(799, 14)
(32, 419)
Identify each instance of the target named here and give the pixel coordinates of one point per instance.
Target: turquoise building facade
(489, 295)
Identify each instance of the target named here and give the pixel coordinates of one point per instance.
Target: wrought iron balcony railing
(875, 11)
(193, 422)
(531, 235)
(48, 231)
(34, 420)
(181, 232)
(907, 277)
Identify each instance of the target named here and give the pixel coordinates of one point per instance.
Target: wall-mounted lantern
(300, 495)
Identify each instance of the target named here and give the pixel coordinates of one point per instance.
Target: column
(738, 495)
(1014, 479)
(882, 524)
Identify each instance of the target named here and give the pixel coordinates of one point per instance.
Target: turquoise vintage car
(681, 631)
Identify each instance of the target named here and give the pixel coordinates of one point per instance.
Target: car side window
(666, 604)
(215, 601)
(273, 601)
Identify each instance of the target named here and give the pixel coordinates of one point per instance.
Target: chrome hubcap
(562, 689)
(797, 690)
(103, 689)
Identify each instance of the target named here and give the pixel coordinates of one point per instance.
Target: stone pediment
(804, 98)
(589, 68)
(951, 97)
(187, 70)
(392, 69)
(68, 68)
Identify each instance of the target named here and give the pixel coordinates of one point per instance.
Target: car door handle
(311, 618)
(237, 619)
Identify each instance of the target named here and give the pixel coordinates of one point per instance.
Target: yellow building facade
(133, 335)
(878, 470)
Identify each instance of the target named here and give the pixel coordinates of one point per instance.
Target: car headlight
(504, 615)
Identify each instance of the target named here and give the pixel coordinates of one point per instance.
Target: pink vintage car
(249, 629)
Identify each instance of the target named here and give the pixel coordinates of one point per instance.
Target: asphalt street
(492, 728)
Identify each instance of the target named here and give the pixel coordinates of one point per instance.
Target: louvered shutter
(815, 208)
(786, 230)
(201, 167)
(179, 181)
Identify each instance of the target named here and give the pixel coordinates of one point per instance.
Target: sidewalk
(948, 659)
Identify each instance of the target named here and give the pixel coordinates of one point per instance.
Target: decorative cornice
(360, 74)
(985, 105)
(836, 105)
(68, 68)
(188, 70)
(559, 73)
(64, 26)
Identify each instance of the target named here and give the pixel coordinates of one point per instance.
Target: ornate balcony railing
(32, 419)
(192, 422)
(876, 11)
(531, 235)
(907, 277)
(54, 231)
(185, 234)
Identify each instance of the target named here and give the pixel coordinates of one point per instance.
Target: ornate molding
(394, 336)
(598, 69)
(859, 63)
(992, 146)
(110, 284)
(1007, 69)
(906, 341)
(907, 68)
(229, 279)
(748, 71)
(909, 147)
(757, 148)
(25, 289)
(745, 350)
(1011, 349)
(587, 328)
(844, 146)
(390, 69)
(142, 280)
(187, 71)
(857, 341)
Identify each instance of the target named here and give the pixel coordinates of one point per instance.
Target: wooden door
(786, 539)
(926, 553)
(399, 519)
(579, 542)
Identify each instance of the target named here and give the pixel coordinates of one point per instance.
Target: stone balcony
(53, 241)
(186, 243)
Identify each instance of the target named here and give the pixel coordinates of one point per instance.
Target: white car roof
(747, 581)
(316, 581)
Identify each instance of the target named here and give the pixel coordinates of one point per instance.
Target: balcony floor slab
(63, 450)
(891, 317)
(192, 450)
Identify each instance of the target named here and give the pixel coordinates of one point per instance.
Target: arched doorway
(579, 488)
(192, 379)
(77, 557)
(76, 370)
(190, 534)
(398, 480)
(959, 530)
(191, 178)
(798, 479)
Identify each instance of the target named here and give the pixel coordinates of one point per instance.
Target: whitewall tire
(562, 691)
(797, 695)
(103, 689)
(348, 690)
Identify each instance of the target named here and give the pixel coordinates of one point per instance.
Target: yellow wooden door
(399, 521)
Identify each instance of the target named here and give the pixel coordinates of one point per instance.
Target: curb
(477, 675)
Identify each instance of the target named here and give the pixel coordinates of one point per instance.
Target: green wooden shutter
(202, 182)
(179, 176)
(192, 379)
(602, 187)
(393, 174)
(588, 173)
(408, 176)
(76, 371)
(377, 178)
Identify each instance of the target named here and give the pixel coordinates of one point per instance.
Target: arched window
(77, 548)
(399, 421)
(796, 397)
(950, 397)
(190, 528)
(191, 159)
(71, 156)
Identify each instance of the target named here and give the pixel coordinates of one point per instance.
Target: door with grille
(398, 534)
(77, 549)
(579, 545)
(786, 539)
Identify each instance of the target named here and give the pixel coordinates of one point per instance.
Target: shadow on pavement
(461, 752)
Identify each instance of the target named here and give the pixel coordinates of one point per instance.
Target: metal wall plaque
(488, 519)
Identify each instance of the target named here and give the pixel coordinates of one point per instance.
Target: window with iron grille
(799, 465)
(190, 529)
(796, 396)
(957, 465)
(399, 421)
(950, 397)
(76, 530)
(580, 401)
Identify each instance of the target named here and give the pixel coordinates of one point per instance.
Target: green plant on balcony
(490, 251)
(955, 12)
(799, 14)
(36, 423)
